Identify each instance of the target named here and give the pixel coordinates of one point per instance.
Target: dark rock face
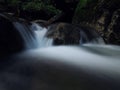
(114, 28)
(104, 16)
(10, 39)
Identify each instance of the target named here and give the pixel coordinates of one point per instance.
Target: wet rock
(114, 28)
(63, 33)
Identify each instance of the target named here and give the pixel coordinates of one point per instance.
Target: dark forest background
(102, 15)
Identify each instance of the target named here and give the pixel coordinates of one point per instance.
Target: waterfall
(90, 36)
(40, 35)
(98, 40)
(33, 36)
(85, 67)
(26, 34)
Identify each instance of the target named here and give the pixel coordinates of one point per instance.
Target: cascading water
(26, 33)
(87, 67)
(33, 35)
(40, 35)
(90, 37)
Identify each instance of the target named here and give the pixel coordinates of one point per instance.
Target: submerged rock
(64, 34)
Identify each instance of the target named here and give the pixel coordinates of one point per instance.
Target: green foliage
(84, 10)
(39, 5)
(13, 2)
(82, 3)
(79, 13)
(35, 5)
(52, 9)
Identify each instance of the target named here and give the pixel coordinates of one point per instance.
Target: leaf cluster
(36, 5)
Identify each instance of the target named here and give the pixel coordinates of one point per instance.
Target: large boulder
(64, 34)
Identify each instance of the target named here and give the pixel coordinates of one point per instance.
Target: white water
(41, 39)
(97, 41)
(95, 38)
(62, 66)
(97, 60)
(28, 38)
(100, 60)
(36, 38)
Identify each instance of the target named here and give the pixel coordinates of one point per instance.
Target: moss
(85, 11)
(33, 5)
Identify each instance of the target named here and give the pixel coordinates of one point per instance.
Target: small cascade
(90, 36)
(98, 40)
(26, 34)
(41, 39)
(33, 36)
(87, 67)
